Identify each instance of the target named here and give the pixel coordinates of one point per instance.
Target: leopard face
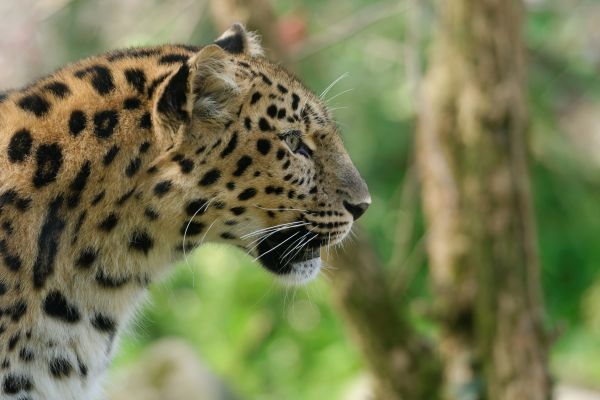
(280, 183)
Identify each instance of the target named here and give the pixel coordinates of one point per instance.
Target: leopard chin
(291, 256)
(301, 272)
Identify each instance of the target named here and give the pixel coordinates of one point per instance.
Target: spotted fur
(115, 165)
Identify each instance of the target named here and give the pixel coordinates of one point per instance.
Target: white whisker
(274, 228)
(294, 245)
(332, 84)
(270, 250)
(339, 94)
(299, 250)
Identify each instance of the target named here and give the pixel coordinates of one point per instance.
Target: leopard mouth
(293, 255)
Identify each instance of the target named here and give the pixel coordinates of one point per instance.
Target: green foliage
(267, 341)
(270, 342)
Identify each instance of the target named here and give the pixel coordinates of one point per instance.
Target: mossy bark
(481, 233)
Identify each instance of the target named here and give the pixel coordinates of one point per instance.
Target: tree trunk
(481, 234)
(403, 365)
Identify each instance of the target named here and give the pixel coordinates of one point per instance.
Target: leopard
(115, 167)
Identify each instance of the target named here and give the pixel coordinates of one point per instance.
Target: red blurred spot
(292, 30)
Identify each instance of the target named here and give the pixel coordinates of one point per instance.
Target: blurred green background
(270, 342)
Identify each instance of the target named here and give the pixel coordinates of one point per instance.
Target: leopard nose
(357, 210)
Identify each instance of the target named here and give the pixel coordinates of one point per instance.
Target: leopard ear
(204, 88)
(214, 88)
(237, 40)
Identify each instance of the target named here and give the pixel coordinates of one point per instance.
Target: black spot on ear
(191, 228)
(105, 123)
(230, 146)
(48, 241)
(14, 383)
(154, 84)
(58, 89)
(19, 147)
(141, 241)
(247, 194)
(101, 78)
(104, 324)
(49, 160)
(255, 97)
(35, 104)
(78, 184)
(77, 122)
(86, 258)
(60, 367)
(56, 306)
(173, 58)
(210, 177)
(173, 99)
(110, 155)
(242, 165)
(233, 44)
(136, 78)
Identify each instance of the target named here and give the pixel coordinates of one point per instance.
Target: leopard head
(273, 175)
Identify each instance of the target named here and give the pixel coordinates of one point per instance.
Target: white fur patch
(302, 272)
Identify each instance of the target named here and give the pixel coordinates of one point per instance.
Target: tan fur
(218, 103)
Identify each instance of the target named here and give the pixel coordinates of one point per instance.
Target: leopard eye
(293, 139)
(293, 142)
